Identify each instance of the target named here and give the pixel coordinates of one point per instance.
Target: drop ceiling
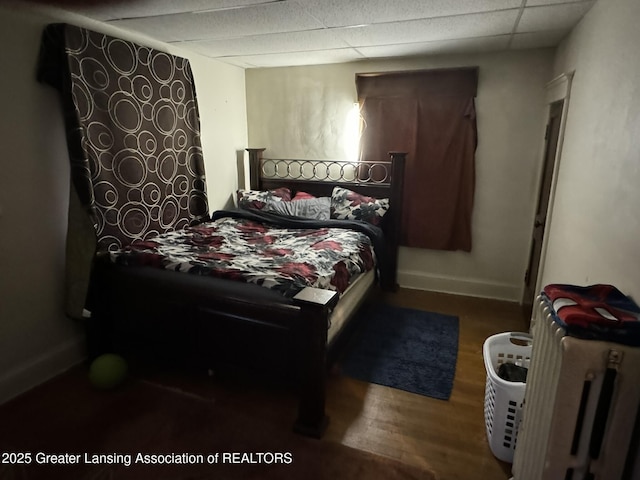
(263, 33)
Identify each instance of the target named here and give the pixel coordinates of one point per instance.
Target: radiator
(580, 406)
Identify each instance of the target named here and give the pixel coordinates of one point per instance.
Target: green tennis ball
(107, 371)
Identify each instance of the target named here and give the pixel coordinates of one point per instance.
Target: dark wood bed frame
(225, 321)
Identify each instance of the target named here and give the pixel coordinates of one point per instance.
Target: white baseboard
(42, 368)
(459, 286)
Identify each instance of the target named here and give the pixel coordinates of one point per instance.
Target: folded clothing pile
(595, 312)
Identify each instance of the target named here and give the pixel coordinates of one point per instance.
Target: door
(551, 146)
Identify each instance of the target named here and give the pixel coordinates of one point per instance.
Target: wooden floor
(447, 436)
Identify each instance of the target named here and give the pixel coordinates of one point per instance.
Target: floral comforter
(281, 254)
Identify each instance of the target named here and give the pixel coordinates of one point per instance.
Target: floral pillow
(349, 205)
(258, 198)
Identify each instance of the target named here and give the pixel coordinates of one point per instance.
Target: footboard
(207, 321)
(315, 309)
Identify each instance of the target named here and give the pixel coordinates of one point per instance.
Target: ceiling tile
(552, 17)
(298, 59)
(467, 45)
(537, 39)
(444, 28)
(237, 61)
(273, 43)
(535, 3)
(251, 33)
(148, 8)
(286, 16)
(338, 13)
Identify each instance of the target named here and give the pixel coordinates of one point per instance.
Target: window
(431, 115)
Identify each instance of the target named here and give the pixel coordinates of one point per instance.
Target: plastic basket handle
(523, 338)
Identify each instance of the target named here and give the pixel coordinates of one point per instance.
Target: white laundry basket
(503, 399)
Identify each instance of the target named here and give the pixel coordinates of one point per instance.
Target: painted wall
(300, 112)
(594, 236)
(36, 340)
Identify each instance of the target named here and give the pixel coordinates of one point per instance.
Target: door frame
(557, 89)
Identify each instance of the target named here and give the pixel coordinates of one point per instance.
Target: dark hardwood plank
(448, 436)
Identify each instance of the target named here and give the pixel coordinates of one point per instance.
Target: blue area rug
(408, 349)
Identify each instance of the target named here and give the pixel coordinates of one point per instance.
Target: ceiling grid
(274, 33)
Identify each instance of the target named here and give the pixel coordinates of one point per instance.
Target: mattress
(349, 302)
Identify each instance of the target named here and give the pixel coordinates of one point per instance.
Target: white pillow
(314, 208)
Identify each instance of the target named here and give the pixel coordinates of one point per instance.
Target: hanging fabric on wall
(133, 135)
(431, 115)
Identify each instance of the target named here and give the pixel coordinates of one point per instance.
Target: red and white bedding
(286, 257)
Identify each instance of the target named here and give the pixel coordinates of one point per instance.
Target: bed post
(397, 191)
(311, 339)
(255, 156)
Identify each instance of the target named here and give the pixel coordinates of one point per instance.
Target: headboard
(374, 178)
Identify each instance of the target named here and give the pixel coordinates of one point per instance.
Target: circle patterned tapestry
(133, 133)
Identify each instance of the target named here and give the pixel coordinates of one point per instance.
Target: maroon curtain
(431, 115)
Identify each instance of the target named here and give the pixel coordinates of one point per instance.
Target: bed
(222, 320)
(138, 183)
